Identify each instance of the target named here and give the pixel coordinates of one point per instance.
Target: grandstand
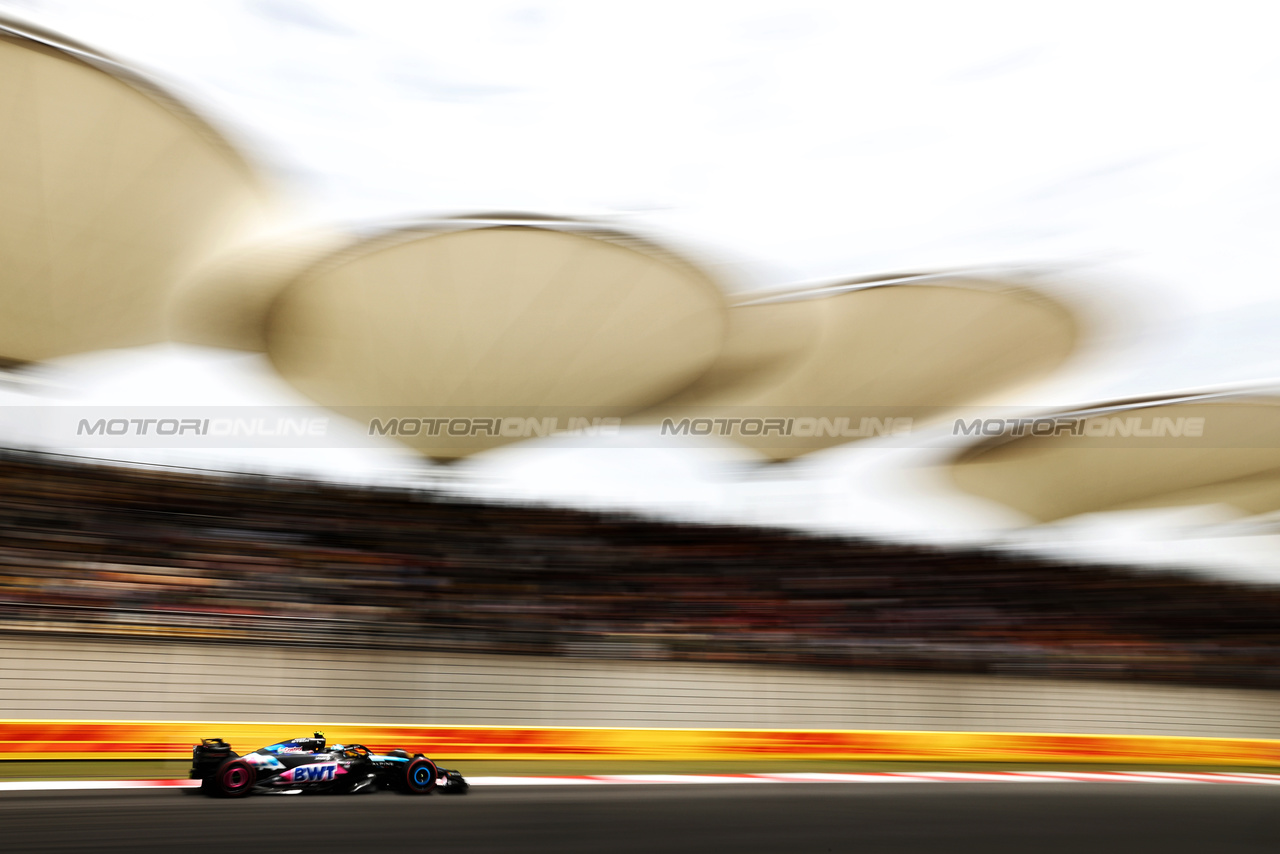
(97, 550)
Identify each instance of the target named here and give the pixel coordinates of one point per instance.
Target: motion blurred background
(936, 222)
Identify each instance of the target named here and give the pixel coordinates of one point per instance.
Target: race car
(309, 765)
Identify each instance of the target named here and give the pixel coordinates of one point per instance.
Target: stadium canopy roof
(512, 316)
(1216, 448)
(903, 347)
(227, 301)
(517, 321)
(111, 191)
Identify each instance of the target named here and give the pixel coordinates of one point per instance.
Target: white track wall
(116, 680)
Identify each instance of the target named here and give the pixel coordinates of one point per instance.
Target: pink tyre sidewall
(235, 778)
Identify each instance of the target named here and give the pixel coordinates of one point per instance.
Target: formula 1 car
(308, 765)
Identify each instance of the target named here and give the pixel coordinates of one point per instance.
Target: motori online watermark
(483, 427)
(506, 427)
(1096, 427)
(521, 427)
(800, 427)
(526, 427)
(217, 427)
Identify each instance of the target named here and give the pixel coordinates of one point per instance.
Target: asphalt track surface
(983, 817)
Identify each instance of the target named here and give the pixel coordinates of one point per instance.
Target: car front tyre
(420, 776)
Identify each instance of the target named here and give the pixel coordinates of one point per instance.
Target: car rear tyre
(235, 778)
(420, 776)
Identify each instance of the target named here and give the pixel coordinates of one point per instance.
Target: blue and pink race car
(309, 765)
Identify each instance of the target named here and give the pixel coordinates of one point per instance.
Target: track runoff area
(884, 777)
(930, 814)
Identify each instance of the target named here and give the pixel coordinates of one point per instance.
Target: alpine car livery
(309, 765)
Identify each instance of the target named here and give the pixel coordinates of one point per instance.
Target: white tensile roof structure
(1211, 448)
(506, 320)
(909, 346)
(125, 219)
(501, 316)
(112, 191)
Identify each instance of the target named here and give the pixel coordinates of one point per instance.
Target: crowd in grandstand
(98, 549)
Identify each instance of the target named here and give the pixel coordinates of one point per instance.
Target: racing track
(954, 818)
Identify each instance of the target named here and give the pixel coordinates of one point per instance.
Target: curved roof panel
(112, 192)
(1201, 449)
(910, 346)
(509, 320)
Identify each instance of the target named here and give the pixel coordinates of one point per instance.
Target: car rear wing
(207, 756)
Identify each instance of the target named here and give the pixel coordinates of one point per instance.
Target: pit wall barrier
(43, 739)
(65, 679)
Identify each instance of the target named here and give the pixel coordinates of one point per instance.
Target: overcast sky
(1132, 146)
(798, 140)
